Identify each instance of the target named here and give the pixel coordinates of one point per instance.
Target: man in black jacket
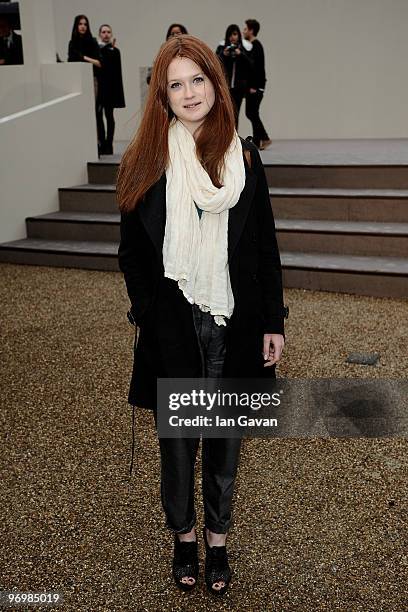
(110, 94)
(11, 46)
(257, 84)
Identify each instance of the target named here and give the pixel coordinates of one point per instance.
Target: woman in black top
(236, 63)
(201, 263)
(83, 47)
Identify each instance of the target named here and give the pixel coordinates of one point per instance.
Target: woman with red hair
(201, 264)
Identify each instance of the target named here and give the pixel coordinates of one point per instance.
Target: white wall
(38, 29)
(41, 149)
(47, 124)
(19, 89)
(22, 87)
(335, 68)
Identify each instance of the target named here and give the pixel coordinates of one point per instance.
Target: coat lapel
(152, 212)
(238, 214)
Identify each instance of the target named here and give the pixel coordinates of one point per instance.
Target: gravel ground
(319, 524)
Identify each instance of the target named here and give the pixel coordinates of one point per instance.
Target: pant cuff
(182, 529)
(216, 528)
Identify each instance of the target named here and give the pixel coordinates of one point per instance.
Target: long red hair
(146, 157)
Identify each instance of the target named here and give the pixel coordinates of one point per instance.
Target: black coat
(84, 45)
(110, 80)
(14, 54)
(258, 78)
(167, 344)
(243, 67)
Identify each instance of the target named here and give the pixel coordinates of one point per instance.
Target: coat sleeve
(269, 269)
(257, 55)
(245, 59)
(134, 255)
(119, 101)
(219, 50)
(73, 54)
(96, 51)
(220, 54)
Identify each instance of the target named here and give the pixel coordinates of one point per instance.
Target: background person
(110, 94)
(11, 45)
(201, 263)
(175, 29)
(257, 84)
(232, 52)
(83, 47)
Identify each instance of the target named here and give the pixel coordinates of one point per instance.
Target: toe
(218, 585)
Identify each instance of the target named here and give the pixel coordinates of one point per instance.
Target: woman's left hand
(272, 348)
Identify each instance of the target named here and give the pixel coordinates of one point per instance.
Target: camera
(231, 48)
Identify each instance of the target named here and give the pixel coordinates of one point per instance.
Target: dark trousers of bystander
(105, 139)
(237, 96)
(253, 102)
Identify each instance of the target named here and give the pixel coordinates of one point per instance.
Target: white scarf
(195, 251)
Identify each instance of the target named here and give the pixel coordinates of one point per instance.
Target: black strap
(133, 443)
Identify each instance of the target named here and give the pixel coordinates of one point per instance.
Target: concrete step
(337, 176)
(356, 238)
(343, 237)
(103, 171)
(344, 163)
(376, 276)
(302, 175)
(341, 204)
(74, 225)
(91, 197)
(90, 255)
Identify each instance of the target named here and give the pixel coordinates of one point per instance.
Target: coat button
(255, 277)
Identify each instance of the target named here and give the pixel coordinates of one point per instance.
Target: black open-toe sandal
(217, 568)
(185, 563)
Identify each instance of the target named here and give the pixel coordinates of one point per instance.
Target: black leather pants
(220, 456)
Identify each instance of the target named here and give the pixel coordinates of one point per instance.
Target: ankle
(215, 539)
(188, 537)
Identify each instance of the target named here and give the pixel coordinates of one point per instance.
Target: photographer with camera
(233, 54)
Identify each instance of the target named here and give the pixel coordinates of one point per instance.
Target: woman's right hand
(95, 62)
(272, 348)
